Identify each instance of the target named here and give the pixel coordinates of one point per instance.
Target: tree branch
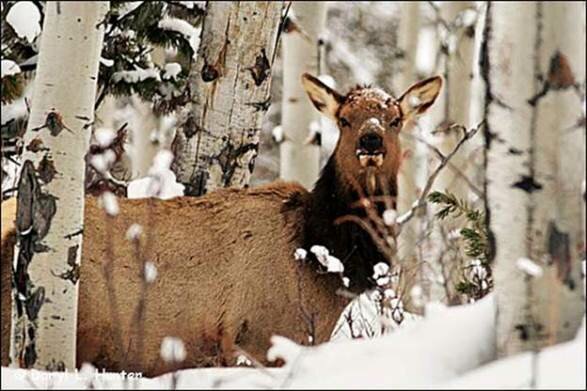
(450, 165)
(421, 201)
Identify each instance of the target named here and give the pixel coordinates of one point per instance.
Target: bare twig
(450, 165)
(284, 17)
(421, 201)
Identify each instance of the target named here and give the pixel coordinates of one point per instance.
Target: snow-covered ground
(450, 348)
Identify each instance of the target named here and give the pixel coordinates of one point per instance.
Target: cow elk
(227, 276)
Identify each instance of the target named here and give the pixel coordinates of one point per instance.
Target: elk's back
(225, 276)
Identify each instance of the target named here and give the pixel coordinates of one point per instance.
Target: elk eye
(395, 123)
(344, 122)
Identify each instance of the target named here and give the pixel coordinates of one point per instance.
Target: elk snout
(371, 143)
(370, 150)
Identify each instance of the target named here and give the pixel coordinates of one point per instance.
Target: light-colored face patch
(373, 122)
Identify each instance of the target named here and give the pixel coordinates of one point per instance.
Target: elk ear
(324, 98)
(420, 96)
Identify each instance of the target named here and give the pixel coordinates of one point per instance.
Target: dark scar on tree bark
(252, 164)
(228, 158)
(261, 69)
(558, 245)
(35, 211)
(30, 353)
(73, 273)
(191, 127)
(209, 72)
(528, 184)
(53, 122)
(34, 303)
(560, 76)
(260, 106)
(316, 139)
(46, 170)
(76, 233)
(197, 185)
(36, 145)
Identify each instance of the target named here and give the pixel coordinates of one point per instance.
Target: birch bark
(51, 187)
(534, 67)
(300, 159)
(458, 74)
(412, 162)
(217, 141)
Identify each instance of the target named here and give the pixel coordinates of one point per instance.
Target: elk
(227, 276)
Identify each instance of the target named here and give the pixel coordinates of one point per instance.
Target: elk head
(368, 152)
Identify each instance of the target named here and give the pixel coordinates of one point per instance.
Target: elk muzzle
(370, 148)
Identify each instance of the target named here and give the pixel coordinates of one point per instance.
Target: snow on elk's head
(368, 150)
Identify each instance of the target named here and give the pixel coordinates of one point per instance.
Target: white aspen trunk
(51, 187)
(407, 42)
(217, 142)
(300, 160)
(458, 74)
(475, 147)
(457, 69)
(413, 160)
(477, 97)
(143, 127)
(534, 66)
(456, 66)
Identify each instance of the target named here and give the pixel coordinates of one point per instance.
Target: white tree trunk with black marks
(299, 151)
(534, 67)
(51, 187)
(217, 141)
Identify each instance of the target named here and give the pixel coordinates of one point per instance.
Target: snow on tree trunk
(299, 158)
(534, 67)
(51, 187)
(217, 141)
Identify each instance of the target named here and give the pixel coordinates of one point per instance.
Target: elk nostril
(371, 142)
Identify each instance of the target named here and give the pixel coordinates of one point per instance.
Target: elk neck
(331, 199)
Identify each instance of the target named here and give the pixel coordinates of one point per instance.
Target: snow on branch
(189, 32)
(137, 75)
